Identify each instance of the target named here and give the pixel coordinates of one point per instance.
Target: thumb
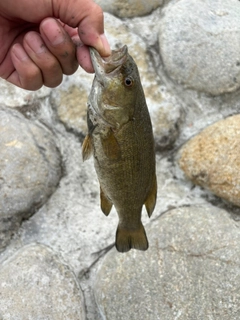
(88, 17)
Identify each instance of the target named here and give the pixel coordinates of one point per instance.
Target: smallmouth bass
(121, 139)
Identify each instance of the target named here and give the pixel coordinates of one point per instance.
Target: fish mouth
(108, 66)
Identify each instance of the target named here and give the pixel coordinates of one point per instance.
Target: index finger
(88, 17)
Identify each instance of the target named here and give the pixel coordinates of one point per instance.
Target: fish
(120, 138)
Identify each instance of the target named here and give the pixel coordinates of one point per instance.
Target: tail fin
(127, 239)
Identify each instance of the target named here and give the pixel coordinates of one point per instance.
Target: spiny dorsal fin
(151, 198)
(87, 148)
(106, 204)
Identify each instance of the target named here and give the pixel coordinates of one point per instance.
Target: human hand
(41, 40)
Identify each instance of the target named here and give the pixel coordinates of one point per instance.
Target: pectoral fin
(151, 198)
(110, 146)
(106, 204)
(87, 148)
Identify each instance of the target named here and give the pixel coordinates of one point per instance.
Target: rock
(199, 44)
(30, 169)
(36, 285)
(166, 121)
(70, 101)
(71, 107)
(190, 271)
(211, 159)
(119, 35)
(129, 8)
(13, 96)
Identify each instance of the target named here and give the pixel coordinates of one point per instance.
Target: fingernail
(105, 45)
(35, 42)
(53, 31)
(19, 52)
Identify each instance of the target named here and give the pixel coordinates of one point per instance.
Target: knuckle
(97, 10)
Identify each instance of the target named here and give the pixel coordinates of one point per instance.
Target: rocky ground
(56, 260)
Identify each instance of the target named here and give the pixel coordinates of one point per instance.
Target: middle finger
(59, 42)
(43, 58)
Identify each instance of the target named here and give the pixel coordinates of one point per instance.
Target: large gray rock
(30, 169)
(211, 159)
(200, 43)
(36, 285)
(190, 271)
(129, 8)
(13, 96)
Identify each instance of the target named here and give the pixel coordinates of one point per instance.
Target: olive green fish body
(123, 147)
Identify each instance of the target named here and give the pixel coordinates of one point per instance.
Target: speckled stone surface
(199, 43)
(35, 284)
(190, 271)
(30, 169)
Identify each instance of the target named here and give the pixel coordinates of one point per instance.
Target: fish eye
(128, 81)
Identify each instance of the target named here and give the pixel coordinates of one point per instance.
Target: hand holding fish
(38, 40)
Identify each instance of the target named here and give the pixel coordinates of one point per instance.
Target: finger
(72, 32)
(83, 54)
(93, 21)
(25, 73)
(59, 44)
(84, 59)
(6, 67)
(43, 58)
(88, 17)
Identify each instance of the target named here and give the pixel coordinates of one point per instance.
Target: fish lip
(108, 66)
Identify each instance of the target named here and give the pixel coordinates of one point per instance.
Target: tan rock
(211, 159)
(72, 108)
(129, 8)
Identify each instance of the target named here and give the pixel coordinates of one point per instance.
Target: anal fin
(151, 198)
(106, 204)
